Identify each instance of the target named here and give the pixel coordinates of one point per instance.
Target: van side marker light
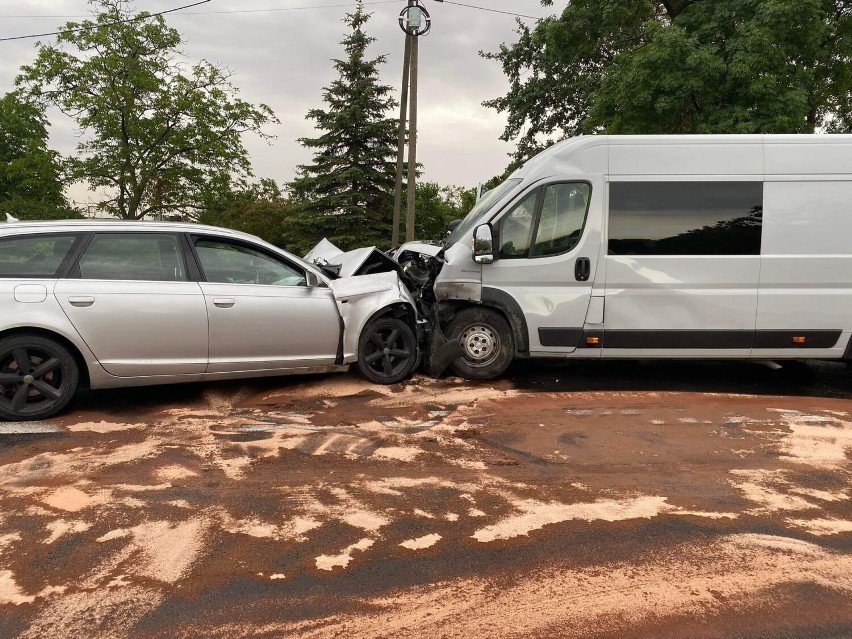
(799, 339)
(593, 341)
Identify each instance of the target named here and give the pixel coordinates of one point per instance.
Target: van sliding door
(682, 267)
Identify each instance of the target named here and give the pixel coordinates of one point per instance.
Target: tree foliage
(155, 131)
(346, 192)
(259, 208)
(437, 206)
(679, 66)
(30, 173)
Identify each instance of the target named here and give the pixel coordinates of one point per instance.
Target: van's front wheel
(486, 341)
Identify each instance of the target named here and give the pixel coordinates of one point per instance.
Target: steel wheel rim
(481, 345)
(31, 380)
(387, 354)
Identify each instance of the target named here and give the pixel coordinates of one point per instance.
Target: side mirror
(483, 245)
(313, 280)
(452, 226)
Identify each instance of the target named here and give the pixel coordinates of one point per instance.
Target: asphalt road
(618, 499)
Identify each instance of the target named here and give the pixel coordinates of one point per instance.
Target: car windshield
(478, 212)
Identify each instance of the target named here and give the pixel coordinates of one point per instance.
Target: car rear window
(33, 255)
(133, 256)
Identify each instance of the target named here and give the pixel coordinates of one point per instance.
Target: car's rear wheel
(38, 377)
(486, 341)
(387, 351)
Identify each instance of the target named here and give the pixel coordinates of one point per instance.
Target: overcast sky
(282, 58)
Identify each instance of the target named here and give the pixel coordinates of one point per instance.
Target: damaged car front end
(414, 267)
(461, 324)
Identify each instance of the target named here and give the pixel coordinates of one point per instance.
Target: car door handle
(224, 302)
(582, 269)
(81, 301)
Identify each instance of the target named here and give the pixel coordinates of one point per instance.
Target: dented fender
(360, 298)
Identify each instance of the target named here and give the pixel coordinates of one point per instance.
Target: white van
(711, 246)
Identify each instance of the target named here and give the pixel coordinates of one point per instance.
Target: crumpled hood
(360, 261)
(359, 285)
(432, 250)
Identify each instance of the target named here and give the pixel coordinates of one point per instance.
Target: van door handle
(224, 302)
(81, 301)
(582, 269)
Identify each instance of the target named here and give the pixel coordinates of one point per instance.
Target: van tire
(486, 340)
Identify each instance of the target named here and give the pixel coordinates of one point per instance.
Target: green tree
(679, 66)
(437, 206)
(30, 175)
(346, 193)
(156, 132)
(259, 208)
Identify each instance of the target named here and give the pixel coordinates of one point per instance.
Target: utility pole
(412, 146)
(400, 154)
(414, 20)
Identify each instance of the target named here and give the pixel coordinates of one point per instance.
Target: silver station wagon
(109, 303)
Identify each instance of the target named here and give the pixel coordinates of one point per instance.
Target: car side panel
(259, 327)
(46, 315)
(139, 328)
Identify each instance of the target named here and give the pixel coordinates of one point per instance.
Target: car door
(547, 250)
(131, 301)
(262, 314)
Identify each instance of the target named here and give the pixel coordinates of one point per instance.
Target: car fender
(48, 317)
(363, 297)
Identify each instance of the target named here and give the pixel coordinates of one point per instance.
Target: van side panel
(687, 155)
(657, 296)
(809, 155)
(679, 305)
(806, 271)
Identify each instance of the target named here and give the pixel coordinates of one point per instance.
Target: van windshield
(478, 212)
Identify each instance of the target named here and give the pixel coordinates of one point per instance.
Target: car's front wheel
(38, 377)
(387, 351)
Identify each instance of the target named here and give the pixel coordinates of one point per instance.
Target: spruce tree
(346, 193)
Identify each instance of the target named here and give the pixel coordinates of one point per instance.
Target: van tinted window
(685, 218)
(554, 214)
(563, 214)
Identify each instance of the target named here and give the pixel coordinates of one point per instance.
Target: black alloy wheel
(387, 351)
(38, 377)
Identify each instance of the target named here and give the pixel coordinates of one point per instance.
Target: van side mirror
(452, 226)
(483, 245)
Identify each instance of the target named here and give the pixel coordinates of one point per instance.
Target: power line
(316, 6)
(225, 11)
(195, 4)
(471, 6)
(106, 24)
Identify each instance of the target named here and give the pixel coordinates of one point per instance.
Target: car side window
(234, 263)
(516, 228)
(133, 256)
(562, 217)
(33, 255)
